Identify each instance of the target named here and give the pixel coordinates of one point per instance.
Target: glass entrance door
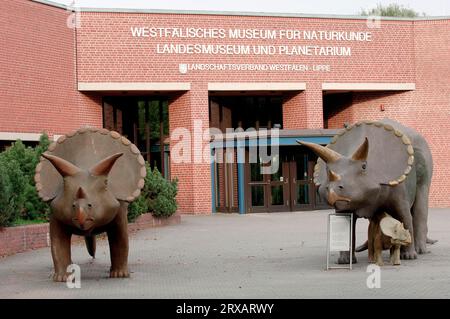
(290, 188)
(278, 184)
(302, 186)
(257, 188)
(268, 192)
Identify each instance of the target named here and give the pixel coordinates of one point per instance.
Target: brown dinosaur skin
(86, 203)
(374, 167)
(378, 241)
(87, 215)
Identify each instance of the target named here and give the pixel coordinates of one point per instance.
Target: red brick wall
(38, 79)
(194, 195)
(294, 111)
(431, 115)
(108, 52)
(22, 238)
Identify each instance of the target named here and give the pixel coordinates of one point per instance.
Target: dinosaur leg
(404, 214)
(395, 255)
(370, 242)
(344, 256)
(378, 249)
(118, 244)
(420, 217)
(392, 252)
(60, 248)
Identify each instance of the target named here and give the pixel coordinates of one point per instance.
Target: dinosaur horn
(362, 151)
(332, 176)
(64, 167)
(80, 193)
(104, 166)
(328, 155)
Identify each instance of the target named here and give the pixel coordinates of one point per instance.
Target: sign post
(340, 235)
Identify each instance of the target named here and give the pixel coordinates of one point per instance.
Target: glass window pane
(302, 194)
(154, 120)
(279, 173)
(165, 110)
(302, 167)
(277, 195)
(255, 172)
(257, 195)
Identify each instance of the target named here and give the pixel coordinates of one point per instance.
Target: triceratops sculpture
(374, 167)
(89, 177)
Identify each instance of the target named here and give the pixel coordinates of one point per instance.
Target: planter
(22, 238)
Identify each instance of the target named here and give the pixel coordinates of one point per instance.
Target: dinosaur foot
(344, 258)
(408, 255)
(119, 273)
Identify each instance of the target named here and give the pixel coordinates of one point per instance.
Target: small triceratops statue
(89, 177)
(385, 232)
(378, 166)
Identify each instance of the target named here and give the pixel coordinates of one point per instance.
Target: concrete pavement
(278, 255)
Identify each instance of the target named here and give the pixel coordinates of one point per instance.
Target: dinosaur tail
(90, 245)
(431, 241)
(362, 247)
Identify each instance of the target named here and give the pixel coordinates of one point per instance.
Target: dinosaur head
(85, 201)
(348, 182)
(395, 229)
(359, 163)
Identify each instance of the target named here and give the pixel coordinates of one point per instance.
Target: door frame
(289, 183)
(294, 206)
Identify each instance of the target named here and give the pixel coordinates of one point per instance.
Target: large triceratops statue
(375, 167)
(89, 177)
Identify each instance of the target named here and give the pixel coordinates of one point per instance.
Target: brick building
(156, 75)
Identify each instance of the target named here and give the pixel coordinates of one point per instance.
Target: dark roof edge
(235, 13)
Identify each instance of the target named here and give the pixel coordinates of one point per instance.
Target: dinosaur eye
(364, 165)
(73, 205)
(90, 205)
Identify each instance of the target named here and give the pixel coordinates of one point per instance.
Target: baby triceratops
(89, 177)
(386, 232)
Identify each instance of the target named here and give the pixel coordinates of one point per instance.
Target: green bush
(7, 199)
(19, 163)
(138, 207)
(157, 196)
(13, 184)
(161, 193)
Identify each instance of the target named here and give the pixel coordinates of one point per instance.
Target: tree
(391, 10)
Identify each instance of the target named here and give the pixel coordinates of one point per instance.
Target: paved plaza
(278, 255)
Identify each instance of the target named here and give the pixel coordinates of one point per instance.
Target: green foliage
(161, 195)
(7, 199)
(157, 196)
(18, 163)
(391, 10)
(137, 208)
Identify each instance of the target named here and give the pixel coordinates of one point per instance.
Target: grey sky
(430, 7)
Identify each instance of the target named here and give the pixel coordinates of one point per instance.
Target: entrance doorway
(290, 188)
(144, 120)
